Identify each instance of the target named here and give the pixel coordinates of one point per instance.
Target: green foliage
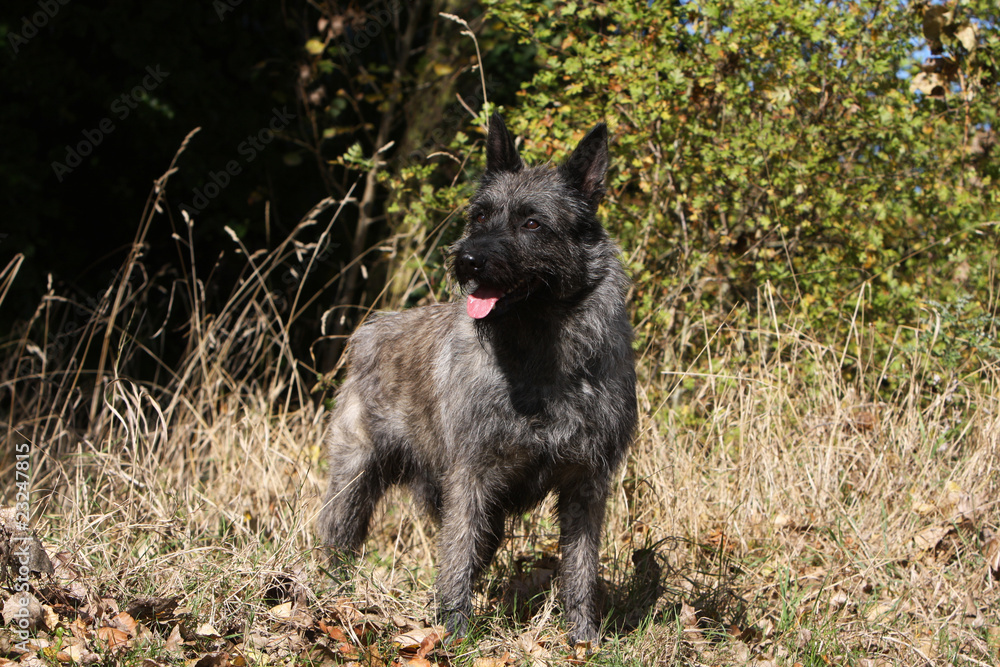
(801, 145)
(970, 333)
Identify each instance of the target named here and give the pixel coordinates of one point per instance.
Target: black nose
(469, 264)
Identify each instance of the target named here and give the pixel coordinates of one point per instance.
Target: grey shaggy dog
(484, 406)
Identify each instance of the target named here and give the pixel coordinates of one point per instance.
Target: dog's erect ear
(586, 167)
(501, 152)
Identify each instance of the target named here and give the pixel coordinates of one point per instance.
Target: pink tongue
(481, 302)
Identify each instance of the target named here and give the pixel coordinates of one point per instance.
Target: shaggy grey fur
(483, 407)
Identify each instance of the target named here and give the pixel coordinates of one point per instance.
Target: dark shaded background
(230, 68)
(224, 75)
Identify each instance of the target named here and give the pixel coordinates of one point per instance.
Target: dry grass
(773, 511)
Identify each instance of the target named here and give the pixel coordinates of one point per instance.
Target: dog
(485, 405)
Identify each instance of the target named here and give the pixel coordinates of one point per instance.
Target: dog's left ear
(586, 167)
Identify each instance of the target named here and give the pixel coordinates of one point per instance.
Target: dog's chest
(546, 415)
(520, 400)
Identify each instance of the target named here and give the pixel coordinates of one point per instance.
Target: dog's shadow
(653, 584)
(663, 579)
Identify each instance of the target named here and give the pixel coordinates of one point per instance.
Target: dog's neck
(565, 337)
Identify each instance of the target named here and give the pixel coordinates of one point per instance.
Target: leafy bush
(804, 145)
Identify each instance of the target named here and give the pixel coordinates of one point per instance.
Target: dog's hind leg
(358, 480)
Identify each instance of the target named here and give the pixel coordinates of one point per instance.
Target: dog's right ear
(501, 152)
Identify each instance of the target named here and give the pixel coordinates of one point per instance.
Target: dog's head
(532, 233)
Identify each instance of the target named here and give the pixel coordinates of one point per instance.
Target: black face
(530, 230)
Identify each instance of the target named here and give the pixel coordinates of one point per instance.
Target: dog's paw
(456, 625)
(584, 638)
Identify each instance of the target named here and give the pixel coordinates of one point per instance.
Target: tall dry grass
(775, 508)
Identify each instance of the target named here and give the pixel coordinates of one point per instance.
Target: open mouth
(486, 300)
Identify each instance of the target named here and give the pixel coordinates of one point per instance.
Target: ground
(774, 513)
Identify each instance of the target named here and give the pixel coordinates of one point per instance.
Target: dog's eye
(480, 218)
(531, 223)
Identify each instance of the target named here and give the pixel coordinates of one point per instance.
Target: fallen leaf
(333, 631)
(349, 651)
(415, 640)
(152, 608)
(16, 603)
(959, 503)
(174, 641)
(342, 644)
(366, 632)
(993, 553)
(536, 654)
(287, 612)
(928, 538)
(582, 652)
(78, 627)
(283, 610)
(718, 539)
(50, 617)
(417, 662)
(402, 623)
(927, 648)
(125, 623)
(113, 637)
(973, 613)
(206, 630)
(863, 420)
(346, 612)
(238, 660)
(75, 652)
(218, 659)
(429, 642)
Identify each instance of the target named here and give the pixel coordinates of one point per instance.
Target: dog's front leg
(581, 515)
(471, 532)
